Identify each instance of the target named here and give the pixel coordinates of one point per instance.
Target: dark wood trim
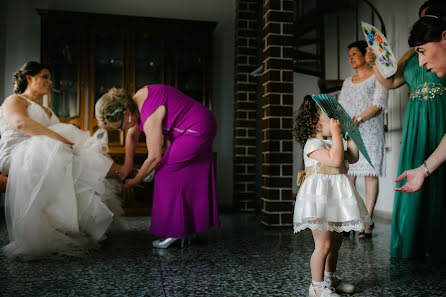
(133, 22)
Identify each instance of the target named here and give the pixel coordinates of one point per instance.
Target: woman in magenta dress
(184, 198)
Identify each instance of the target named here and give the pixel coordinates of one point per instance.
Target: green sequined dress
(418, 223)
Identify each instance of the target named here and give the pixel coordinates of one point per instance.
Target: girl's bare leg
(322, 246)
(371, 194)
(332, 258)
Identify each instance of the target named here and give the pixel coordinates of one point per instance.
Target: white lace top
(355, 98)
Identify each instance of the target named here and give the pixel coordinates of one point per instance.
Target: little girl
(327, 201)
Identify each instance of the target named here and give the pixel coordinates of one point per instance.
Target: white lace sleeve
(380, 96)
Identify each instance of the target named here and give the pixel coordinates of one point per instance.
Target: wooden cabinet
(90, 53)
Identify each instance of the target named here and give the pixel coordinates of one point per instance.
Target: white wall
(3, 11)
(398, 16)
(23, 44)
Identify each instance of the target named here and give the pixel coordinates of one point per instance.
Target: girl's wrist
(337, 135)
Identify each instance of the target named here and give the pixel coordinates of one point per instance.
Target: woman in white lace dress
(58, 200)
(365, 100)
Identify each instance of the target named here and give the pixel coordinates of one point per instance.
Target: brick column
(245, 103)
(277, 117)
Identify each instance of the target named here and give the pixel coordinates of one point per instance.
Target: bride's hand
(66, 141)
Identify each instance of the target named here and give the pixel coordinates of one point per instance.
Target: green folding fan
(331, 107)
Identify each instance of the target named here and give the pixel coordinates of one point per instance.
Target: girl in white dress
(327, 201)
(58, 200)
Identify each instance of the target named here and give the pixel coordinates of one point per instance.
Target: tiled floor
(240, 259)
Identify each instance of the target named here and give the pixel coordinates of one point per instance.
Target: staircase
(319, 27)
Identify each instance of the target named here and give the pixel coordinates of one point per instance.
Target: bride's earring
(130, 118)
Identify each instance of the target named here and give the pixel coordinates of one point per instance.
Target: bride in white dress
(58, 199)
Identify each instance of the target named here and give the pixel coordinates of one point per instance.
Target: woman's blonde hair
(111, 106)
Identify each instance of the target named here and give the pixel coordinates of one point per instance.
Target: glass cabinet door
(108, 63)
(64, 95)
(148, 66)
(64, 59)
(108, 68)
(148, 60)
(190, 72)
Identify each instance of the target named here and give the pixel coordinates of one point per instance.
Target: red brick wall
(277, 116)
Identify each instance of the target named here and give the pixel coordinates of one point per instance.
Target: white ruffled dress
(58, 200)
(328, 202)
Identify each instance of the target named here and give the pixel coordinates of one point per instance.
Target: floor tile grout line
(162, 276)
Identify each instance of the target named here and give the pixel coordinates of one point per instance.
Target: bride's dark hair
(29, 68)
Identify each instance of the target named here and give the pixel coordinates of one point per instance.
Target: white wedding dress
(58, 200)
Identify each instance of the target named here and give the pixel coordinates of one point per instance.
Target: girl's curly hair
(307, 118)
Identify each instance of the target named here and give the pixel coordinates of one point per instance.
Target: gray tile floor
(240, 259)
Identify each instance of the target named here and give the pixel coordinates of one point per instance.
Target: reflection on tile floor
(241, 259)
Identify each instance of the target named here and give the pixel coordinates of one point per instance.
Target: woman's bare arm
(15, 113)
(131, 140)
(397, 79)
(367, 114)
(154, 142)
(352, 153)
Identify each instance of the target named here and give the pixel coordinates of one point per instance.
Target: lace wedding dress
(58, 200)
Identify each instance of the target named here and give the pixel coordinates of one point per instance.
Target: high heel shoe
(367, 235)
(165, 243)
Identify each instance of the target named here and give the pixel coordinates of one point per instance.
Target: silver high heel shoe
(164, 244)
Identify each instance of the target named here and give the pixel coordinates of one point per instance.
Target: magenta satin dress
(184, 198)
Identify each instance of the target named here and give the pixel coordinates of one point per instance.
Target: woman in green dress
(417, 223)
(428, 36)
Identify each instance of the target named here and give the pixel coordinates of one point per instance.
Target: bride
(58, 199)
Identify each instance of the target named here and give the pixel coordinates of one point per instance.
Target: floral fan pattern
(385, 59)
